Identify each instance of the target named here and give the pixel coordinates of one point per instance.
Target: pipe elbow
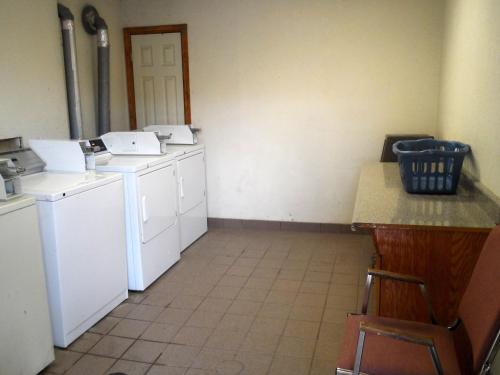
(100, 24)
(64, 13)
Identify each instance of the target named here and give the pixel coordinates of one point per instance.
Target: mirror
(157, 69)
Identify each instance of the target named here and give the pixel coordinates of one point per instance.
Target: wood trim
(129, 74)
(281, 226)
(185, 75)
(129, 68)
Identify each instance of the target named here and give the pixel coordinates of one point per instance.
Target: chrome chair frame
(382, 330)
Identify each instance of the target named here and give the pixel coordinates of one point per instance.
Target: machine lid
(128, 164)
(16, 204)
(132, 143)
(49, 186)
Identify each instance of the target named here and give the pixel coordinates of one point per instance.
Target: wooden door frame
(129, 68)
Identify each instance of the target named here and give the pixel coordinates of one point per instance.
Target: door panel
(157, 203)
(148, 99)
(157, 65)
(191, 182)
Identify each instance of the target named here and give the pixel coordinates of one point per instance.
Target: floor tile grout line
(254, 317)
(204, 299)
(286, 319)
(257, 314)
(322, 315)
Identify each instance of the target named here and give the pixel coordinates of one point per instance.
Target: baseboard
(292, 226)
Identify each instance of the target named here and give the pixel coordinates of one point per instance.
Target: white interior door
(191, 181)
(157, 62)
(157, 202)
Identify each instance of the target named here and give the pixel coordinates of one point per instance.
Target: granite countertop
(381, 200)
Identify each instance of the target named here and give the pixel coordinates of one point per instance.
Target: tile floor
(238, 302)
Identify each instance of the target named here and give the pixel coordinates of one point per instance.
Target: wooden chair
(386, 346)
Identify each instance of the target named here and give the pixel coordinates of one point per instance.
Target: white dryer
(181, 141)
(82, 225)
(191, 179)
(151, 214)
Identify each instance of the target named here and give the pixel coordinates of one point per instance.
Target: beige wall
(32, 84)
(293, 96)
(470, 104)
(32, 89)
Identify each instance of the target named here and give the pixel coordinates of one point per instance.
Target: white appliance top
(129, 164)
(49, 186)
(16, 204)
(178, 150)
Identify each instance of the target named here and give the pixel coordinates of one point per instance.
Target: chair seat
(386, 356)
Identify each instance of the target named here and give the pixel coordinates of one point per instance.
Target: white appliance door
(25, 332)
(85, 259)
(157, 205)
(191, 181)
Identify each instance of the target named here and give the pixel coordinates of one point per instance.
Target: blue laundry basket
(429, 166)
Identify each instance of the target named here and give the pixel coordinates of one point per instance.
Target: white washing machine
(25, 331)
(191, 179)
(151, 214)
(82, 225)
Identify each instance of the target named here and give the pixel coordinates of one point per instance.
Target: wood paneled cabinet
(443, 256)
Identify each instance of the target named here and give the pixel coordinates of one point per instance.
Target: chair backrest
(479, 309)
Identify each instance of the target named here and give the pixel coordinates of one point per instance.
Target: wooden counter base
(444, 257)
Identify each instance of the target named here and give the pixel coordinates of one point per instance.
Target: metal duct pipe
(95, 25)
(71, 71)
(103, 74)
